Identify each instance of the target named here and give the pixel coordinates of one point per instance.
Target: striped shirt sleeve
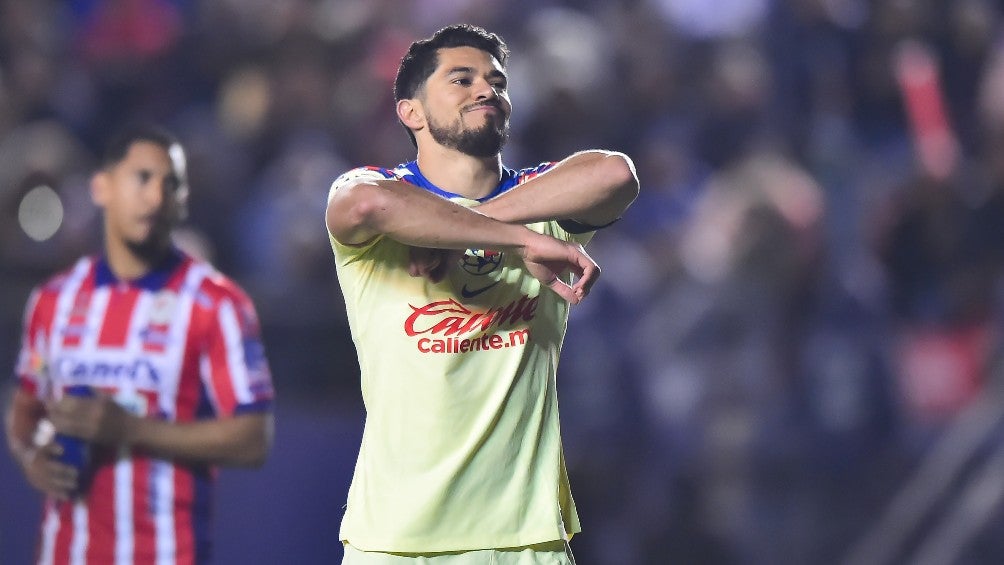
(235, 369)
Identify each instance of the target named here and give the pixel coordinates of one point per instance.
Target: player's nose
(484, 90)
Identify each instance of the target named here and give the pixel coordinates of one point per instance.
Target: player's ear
(411, 113)
(99, 188)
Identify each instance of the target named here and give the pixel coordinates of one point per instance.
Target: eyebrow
(470, 71)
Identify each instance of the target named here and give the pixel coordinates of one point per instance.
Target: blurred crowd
(805, 296)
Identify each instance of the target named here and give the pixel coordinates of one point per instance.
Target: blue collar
(156, 279)
(508, 180)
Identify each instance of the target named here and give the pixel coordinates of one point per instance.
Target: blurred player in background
(171, 355)
(458, 274)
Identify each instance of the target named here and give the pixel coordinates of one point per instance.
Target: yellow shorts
(549, 553)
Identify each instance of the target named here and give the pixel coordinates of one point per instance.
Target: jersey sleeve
(351, 177)
(31, 370)
(568, 230)
(360, 174)
(235, 370)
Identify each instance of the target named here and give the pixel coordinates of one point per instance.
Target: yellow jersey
(461, 447)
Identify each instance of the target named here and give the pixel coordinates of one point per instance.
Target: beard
(485, 141)
(155, 245)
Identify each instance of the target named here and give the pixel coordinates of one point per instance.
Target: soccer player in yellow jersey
(457, 274)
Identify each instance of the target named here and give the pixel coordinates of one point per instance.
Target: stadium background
(799, 310)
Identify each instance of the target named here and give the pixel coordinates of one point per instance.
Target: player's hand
(548, 258)
(96, 419)
(46, 473)
(431, 263)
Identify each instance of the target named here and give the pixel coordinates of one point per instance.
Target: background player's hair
(119, 142)
(422, 57)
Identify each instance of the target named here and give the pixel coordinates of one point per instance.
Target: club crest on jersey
(162, 309)
(480, 262)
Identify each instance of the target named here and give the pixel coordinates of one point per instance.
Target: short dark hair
(120, 142)
(422, 57)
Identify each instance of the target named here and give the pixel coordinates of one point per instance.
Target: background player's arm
(362, 210)
(38, 463)
(590, 187)
(241, 440)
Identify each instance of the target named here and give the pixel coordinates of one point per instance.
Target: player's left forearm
(241, 440)
(591, 187)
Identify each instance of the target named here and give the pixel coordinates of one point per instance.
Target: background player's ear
(99, 188)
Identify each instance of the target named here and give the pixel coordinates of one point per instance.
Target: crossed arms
(591, 188)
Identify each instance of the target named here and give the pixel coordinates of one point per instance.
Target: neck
(449, 169)
(127, 263)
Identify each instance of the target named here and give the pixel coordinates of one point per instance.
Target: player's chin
(499, 123)
(150, 244)
(146, 235)
(139, 237)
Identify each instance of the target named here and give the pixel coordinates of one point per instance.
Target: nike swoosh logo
(469, 293)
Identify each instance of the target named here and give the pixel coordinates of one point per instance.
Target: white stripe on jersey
(178, 339)
(64, 306)
(236, 366)
(50, 527)
(162, 498)
(205, 373)
(78, 548)
(127, 393)
(124, 529)
(96, 317)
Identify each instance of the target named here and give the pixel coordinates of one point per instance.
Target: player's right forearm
(21, 451)
(415, 217)
(21, 419)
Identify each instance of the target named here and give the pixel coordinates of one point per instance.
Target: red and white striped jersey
(180, 344)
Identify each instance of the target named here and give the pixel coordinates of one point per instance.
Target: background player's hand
(97, 419)
(46, 473)
(547, 258)
(430, 263)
